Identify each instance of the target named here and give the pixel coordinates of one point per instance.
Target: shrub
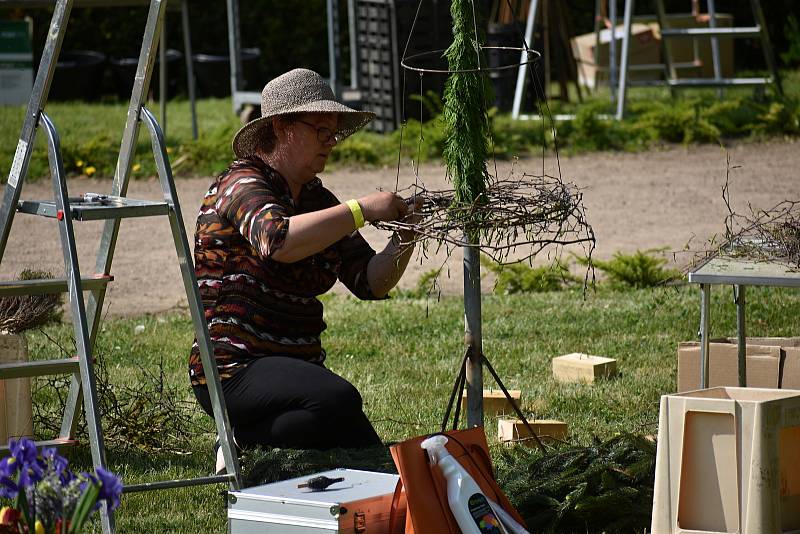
(427, 285)
(638, 270)
(521, 278)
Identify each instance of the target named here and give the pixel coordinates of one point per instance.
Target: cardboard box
(790, 368)
(772, 362)
(763, 366)
(684, 50)
(645, 50)
(578, 367)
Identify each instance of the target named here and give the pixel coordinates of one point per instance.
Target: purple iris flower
(8, 468)
(26, 461)
(23, 450)
(58, 464)
(110, 487)
(8, 488)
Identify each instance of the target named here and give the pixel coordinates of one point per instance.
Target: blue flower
(8, 488)
(110, 487)
(23, 450)
(27, 461)
(8, 468)
(57, 464)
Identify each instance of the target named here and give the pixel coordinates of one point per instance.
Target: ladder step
(97, 207)
(750, 31)
(9, 288)
(57, 443)
(703, 82)
(39, 368)
(722, 82)
(167, 484)
(661, 66)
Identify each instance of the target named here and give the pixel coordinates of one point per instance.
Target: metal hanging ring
(406, 61)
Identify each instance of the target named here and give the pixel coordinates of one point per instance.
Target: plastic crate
(383, 28)
(727, 461)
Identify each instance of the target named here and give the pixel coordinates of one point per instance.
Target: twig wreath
(498, 216)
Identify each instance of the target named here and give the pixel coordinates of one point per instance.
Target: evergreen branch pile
(605, 487)
(527, 210)
(20, 313)
(466, 123)
(264, 466)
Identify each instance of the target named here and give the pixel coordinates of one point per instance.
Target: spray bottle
(469, 505)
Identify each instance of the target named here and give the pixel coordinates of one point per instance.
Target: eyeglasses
(324, 135)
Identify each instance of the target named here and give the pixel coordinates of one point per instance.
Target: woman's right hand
(383, 206)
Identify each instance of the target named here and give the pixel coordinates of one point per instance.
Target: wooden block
(494, 402)
(16, 418)
(577, 367)
(512, 431)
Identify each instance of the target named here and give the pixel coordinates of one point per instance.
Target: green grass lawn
(403, 355)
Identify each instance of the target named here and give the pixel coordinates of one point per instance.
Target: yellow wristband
(358, 215)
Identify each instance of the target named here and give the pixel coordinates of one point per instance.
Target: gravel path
(663, 198)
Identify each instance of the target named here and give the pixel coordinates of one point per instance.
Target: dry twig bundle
(771, 235)
(765, 235)
(20, 313)
(522, 210)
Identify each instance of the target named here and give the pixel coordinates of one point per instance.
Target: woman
(270, 239)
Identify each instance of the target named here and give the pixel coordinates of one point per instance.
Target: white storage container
(728, 461)
(359, 504)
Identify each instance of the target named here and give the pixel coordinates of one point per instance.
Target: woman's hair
(270, 140)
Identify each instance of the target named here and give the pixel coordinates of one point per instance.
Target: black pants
(287, 402)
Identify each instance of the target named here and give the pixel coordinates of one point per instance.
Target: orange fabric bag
(424, 489)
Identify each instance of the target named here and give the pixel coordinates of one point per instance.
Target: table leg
(738, 293)
(705, 306)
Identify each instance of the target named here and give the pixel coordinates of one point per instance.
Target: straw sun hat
(297, 91)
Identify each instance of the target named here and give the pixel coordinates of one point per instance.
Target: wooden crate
(511, 431)
(16, 418)
(494, 402)
(578, 367)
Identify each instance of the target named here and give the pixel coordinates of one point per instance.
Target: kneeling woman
(270, 238)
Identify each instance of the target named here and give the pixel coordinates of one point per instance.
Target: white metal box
(359, 504)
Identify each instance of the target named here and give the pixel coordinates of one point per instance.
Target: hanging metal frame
(111, 208)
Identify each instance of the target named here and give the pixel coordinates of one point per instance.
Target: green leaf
(84, 507)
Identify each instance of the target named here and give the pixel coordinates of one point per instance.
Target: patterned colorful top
(255, 306)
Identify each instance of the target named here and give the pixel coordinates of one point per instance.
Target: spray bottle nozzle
(435, 447)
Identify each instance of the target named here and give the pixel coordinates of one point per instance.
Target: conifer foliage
(466, 123)
(606, 486)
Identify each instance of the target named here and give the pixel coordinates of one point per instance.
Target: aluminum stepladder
(110, 208)
(759, 30)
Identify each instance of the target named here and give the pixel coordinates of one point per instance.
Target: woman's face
(309, 140)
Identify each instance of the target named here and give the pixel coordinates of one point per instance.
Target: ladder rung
(750, 31)
(57, 443)
(50, 285)
(703, 82)
(39, 368)
(660, 66)
(109, 208)
(721, 82)
(167, 484)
